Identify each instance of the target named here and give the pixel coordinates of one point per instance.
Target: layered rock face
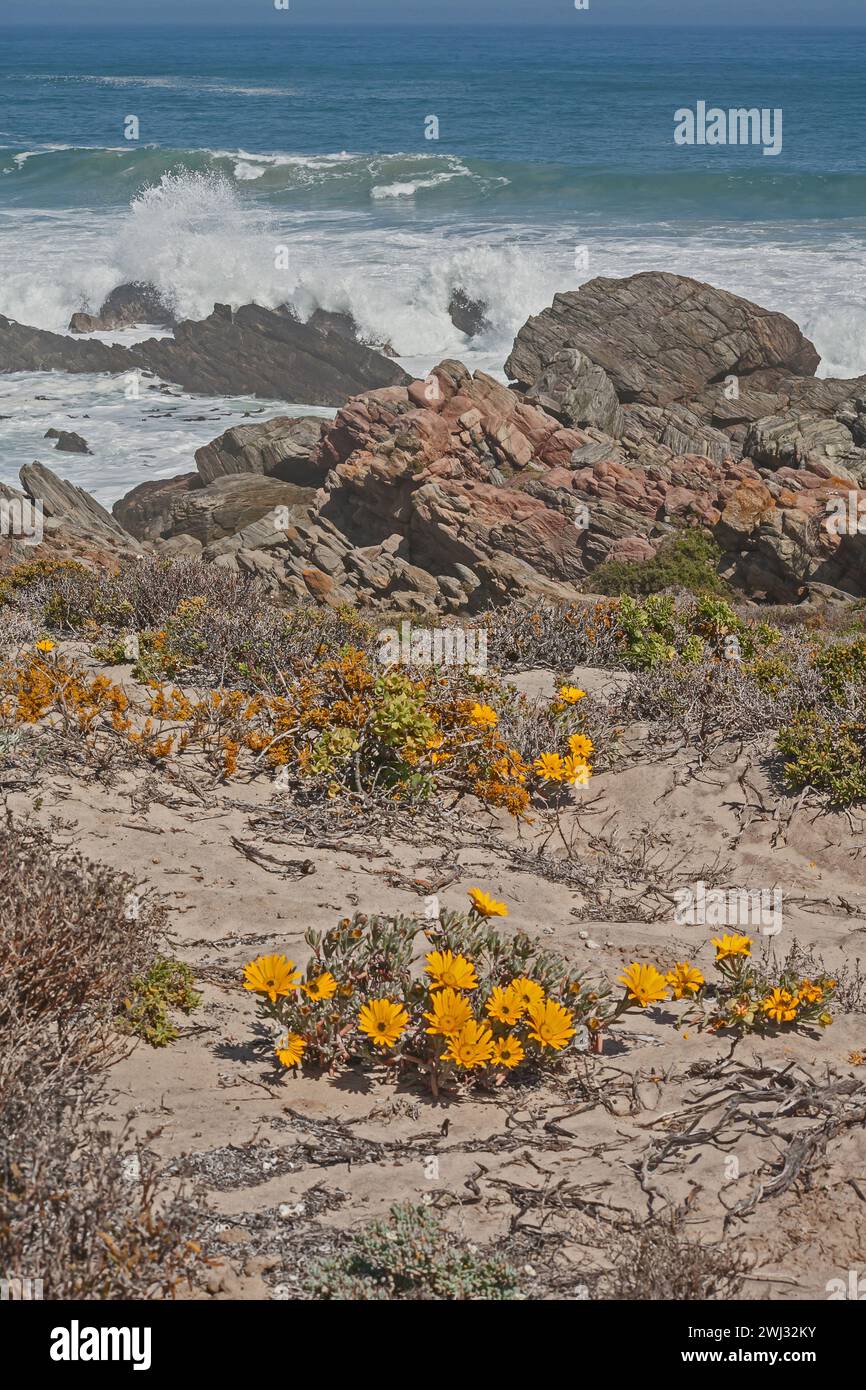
(51, 518)
(642, 406)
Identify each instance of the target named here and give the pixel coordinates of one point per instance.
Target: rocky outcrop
(468, 315)
(25, 349)
(176, 507)
(68, 442)
(662, 338)
(457, 492)
(468, 495)
(126, 307)
(254, 351)
(250, 351)
(146, 511)
(51, 517)
(332, 321)
(286, 447)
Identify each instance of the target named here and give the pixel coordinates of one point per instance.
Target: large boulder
(661, 338)
(146, 511)
(126, 307)
(285, 447)
(228, 505)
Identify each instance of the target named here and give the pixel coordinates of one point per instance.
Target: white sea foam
(199, 241)
(132, 441)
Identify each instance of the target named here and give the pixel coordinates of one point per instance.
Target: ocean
(555, 162)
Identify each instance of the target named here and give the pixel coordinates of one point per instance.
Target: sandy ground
(658, 1120)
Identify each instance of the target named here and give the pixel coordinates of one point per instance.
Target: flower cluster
(475, 1005)
(751, 1000)
(336, 727)
(746, 997)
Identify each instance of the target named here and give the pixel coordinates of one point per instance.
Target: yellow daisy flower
(809, 993)
(271, 975)
(486, 906)
(529, 992)
(508, 1052)
(550, 767)
(576, 772)
(483, 716)
(290, 1051)
(570, 694)
(580, 745)
(450, 1011)
(684, 979)
(780, 1006)
(383, 1021)
(505, 1005)
(471, 1047)
(732, 946)
(46, 645)
(645, 984)
(551, 1024)
(323, 987)
(444, 968)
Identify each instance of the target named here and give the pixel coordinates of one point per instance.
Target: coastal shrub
(338, 726)
(411, 1256)
(85, 1212)
(828, 755)
(145, 1013)
(656, 1261)
(68, 948)
(632, 633)
(683, 562)
(61, 595)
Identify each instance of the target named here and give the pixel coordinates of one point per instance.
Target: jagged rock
(285, 448)
(228, 505)
(63, 501)
(146, 511)
(25, 349)
(251, 351)
(332, 321)
(661, 338)
(68, 442)
(254, 351)
(63, 522)
(126, 306)
(579, 392)
(468, 315)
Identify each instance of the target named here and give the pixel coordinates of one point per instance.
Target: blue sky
(246, 14)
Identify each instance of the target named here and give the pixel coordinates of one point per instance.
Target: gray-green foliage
(410, 1256)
